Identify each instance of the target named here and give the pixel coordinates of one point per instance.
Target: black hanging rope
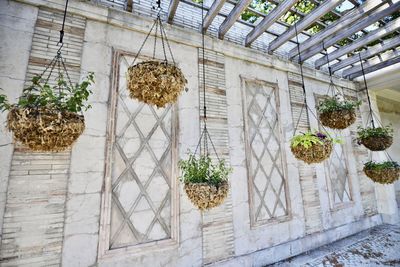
(332, 87)
(205, 135)
(159, 33)
(371, 114)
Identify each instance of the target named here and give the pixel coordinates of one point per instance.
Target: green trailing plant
(364, 133)
(311, 138)
(62, 96)
(371, 165)
(331, 104)
(202, 170)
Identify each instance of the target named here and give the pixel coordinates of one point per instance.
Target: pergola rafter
(212, 13)
(232, 17)
(372, 36)
(372, 51)
(312, 17)
(336, 26)
(370, 66)
(378, 14)
(173, 6)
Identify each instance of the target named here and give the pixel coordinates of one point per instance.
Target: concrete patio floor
(379, 246)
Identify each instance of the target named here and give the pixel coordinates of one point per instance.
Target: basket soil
(377, 143)
(339, 119)
(45, 129)
(155, 83)
(206, 196)
(385, 176)
(314, 154)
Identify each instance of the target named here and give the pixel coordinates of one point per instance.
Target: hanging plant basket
(337, 114)
(384, 173)
(155, 82)
(205, 183)
(375, 139)
(46, 118)
(45, 129)
(207, 196)
(312, 147)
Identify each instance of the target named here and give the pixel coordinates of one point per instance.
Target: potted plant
(205, 183)
(312, 147)
(46, 118)
(384, 173)
(337, 114)
(155, 82)
(375, 139)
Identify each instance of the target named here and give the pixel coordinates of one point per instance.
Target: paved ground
(379, 246)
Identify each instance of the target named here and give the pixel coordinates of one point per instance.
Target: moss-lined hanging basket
(384, 173)
(45, 129)
(205, 183)
(312, 147)
(375, 139)
(338, 119)
(207, 196)
(155, 83)
(336, 113)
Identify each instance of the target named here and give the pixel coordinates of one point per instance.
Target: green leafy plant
(334, 104)
(371, 165)
(61, 96)
(310, 138)
(364, 133)
(202, 170)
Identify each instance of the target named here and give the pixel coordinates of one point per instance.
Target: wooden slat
(372, 51)
(212, 13)
(383, 60)
(338, 25)
(379, 13)
(324, 8)
(173, 5)
(372, 36)
(233, 16)
(129, 5)
(267, 22)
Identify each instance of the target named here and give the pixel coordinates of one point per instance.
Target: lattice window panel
(264, 154)
(338, 178)
(142, 170)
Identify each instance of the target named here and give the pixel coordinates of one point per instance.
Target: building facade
(114, 199)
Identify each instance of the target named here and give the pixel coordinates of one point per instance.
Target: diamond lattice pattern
(266, 167)
(141, 171)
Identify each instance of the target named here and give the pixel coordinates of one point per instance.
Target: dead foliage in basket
(43, 129)
(316, 153)
(338, 119)
(206, 196)
(377, 143)
(155, 83)
(383, 176)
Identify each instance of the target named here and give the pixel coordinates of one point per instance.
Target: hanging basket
(155, 83)
(206, 196)
(45, 129)
(386, 175)
(316, 153)
(338, 119)
(377, 143)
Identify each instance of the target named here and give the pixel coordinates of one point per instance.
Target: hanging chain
(332, 86)
(366, 88)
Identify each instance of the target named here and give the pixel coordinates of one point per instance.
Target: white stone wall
(109, 32)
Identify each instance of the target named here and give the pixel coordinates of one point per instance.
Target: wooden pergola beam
(267, 22)
(312, 17)
(372, 68)
(372, 36)
(173, 5)
(336, 26)
(232, 17)
(212, 13)
(347, 73)
(379, 13)
(370, 52)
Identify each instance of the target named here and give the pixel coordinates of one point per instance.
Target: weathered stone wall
(96, 198)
